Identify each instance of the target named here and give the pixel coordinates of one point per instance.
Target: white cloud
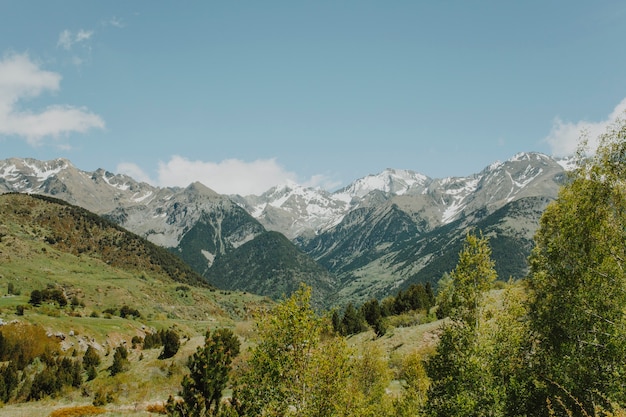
(322, 181)
(21, 78)
(83, 35)
(114, 21)
(67, 39)
(564, 137)
(231, 176)
(134, 171)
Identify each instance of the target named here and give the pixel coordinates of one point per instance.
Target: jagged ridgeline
(72, 229)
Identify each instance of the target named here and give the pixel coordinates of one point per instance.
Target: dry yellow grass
(80, 411)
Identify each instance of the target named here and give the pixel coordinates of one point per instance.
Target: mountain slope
(77, 231)
(45, 243)
(376, 235)
(271, 265)
(196, 223)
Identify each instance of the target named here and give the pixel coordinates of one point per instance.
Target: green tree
(171, 344)
(276, 379)
(209, 371)
(372, 314)
(91, 357)
(91, 360)
(120, 361)
(297, 367)
(352, 321)
(462, 382)
(36, 298)
(473, 276)
(578, 283)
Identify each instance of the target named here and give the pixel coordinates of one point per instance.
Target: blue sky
(243, 95)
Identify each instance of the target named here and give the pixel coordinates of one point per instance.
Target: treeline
(417, 297)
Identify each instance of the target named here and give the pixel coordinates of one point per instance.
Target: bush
(91, 358)
(120, 361)
(171, 344)
(126, 311)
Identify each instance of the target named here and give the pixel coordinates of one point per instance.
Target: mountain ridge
(357, 232)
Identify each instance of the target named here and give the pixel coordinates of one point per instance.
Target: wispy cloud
(231, 176)
(67, 39)
(564, 136)
(135, 172)
(21, 78)
(115, 21)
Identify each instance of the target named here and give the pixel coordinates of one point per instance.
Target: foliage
(57, 374)
(22, 343)
(91, 360)
(126, 311)
(209, 371)
(276, 381)
(462, 380)
(37, 297)
(415, 382)
(474, 274)
(120, 361)
(579, 285)
(353, 321)
(171, 344)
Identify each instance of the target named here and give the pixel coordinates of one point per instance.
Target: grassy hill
(99, 268)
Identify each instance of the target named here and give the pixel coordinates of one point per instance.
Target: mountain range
(377, 235)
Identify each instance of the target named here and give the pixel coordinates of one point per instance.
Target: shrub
(120, 361)
(91, 358)
(171, 344)
(126, 311)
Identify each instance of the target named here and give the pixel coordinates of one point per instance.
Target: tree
(91, 360)
(171, 344)
(209, 371)
(372, 314)
(473, 276)
(462, 382)
(36, 298)
(120, 361)
(297, 367)
(352, 322)
(91, 357)
(578, 283)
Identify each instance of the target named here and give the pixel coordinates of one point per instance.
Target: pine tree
(209, 372)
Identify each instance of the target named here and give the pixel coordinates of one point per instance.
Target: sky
(244, 95)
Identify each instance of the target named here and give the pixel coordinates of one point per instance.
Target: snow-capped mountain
(376, 235)
(302, 212)
(165, 216)
(195, 222)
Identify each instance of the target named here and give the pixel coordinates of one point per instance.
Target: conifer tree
(209, 372)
